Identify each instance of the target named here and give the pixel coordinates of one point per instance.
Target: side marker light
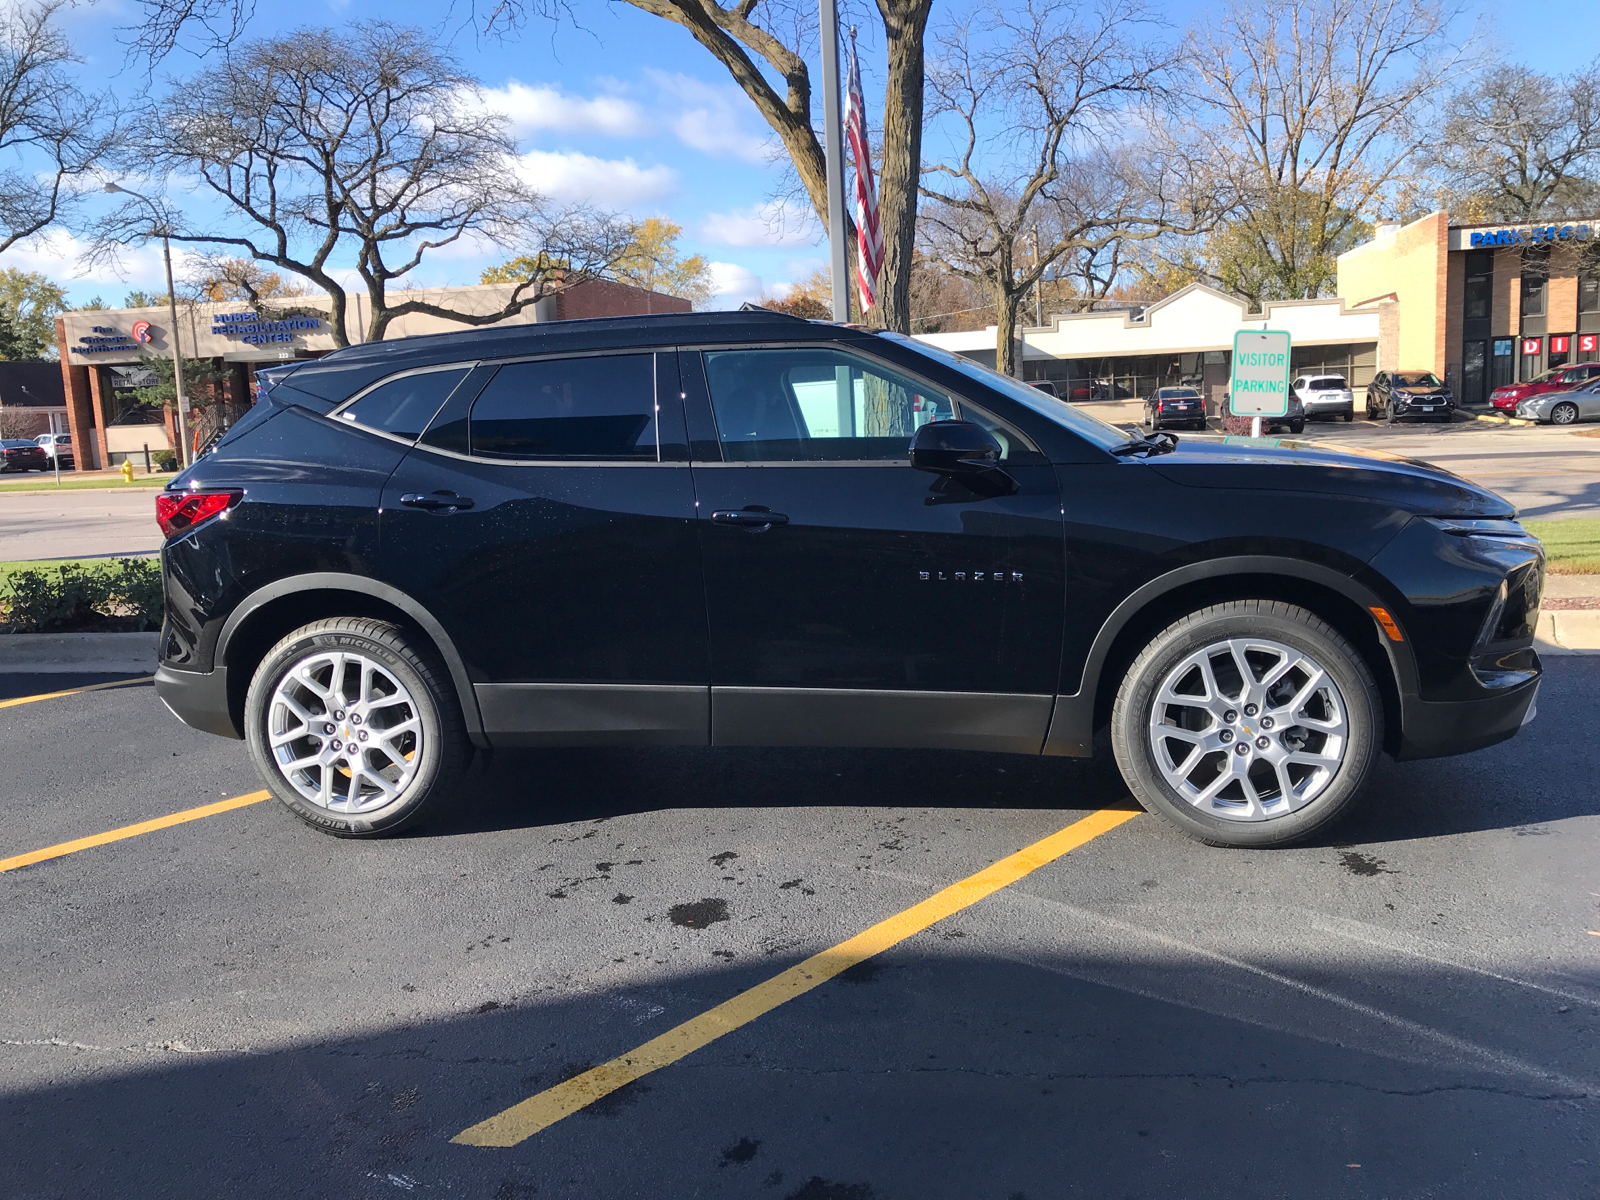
(1388, 623)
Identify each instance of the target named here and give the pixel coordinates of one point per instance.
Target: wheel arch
(1336, 598)
(267, 614)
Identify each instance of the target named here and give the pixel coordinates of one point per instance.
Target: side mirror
(964, 452)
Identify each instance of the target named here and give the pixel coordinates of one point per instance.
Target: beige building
(105, 353)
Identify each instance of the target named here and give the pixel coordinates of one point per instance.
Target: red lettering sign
(1530, 346)
(1558, 345)
(1588, 343)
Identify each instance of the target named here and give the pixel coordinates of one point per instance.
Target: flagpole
(833, 153)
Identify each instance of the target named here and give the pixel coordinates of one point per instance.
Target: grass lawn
(1572, 546)
(71, 480)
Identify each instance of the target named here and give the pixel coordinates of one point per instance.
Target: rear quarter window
(403, 406)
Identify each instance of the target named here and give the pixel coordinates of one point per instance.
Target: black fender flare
(1072, 722)
(338, 581)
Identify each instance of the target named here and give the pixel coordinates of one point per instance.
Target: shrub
(164, 460)
(121, 595)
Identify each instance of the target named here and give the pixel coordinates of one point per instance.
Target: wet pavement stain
(719, 859)
(619, 898)
(1364, 864)
(741, 1151)
(818, 1188)
(699, 913)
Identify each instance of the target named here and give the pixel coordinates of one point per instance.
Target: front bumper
(1434, 729)
(198, 699)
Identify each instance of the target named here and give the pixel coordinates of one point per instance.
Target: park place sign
(1260, 386)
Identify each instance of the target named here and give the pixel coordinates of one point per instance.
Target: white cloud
(773, 224)
(536, 108)
(607, 182)
(732, 285)
(59, 255)
(713, 119)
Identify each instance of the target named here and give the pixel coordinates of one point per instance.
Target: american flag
(870, 242)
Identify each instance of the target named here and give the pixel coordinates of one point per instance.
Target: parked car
(571, 533)
(1175, 406)
(1563, 408)
(1325, 396)
(1556, 379)
(19, 454)
(1396, 394)
(1292, 421)
(57, 446)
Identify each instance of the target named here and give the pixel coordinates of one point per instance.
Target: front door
(1474, 372)
(546, 519)
(852, 599)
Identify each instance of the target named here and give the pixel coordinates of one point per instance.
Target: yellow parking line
(93, 687)
(128, 831)
(523, 1120)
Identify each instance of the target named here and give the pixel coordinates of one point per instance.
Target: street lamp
(172, 307)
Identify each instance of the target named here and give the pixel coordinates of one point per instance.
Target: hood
(1417, 389)
(1405, 483)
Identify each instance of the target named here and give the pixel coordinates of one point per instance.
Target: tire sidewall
(257, 710)
(1344, 665)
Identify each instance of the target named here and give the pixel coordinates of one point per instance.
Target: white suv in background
(1325, 396)
(57, 444)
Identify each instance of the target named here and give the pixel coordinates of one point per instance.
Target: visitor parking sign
(1260, 386)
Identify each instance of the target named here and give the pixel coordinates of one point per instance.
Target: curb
(79, 653)
(1569, 631)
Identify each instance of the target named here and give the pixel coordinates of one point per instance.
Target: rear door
(546, 518)
(851, 599)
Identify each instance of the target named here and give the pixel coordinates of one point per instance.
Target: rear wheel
(355, 729)
(1251, 723)
(1350, 416)
(1564, 413)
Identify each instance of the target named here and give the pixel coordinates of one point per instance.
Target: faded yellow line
(538, 1112)
(128, 831)
(93, 687)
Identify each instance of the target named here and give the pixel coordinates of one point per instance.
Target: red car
(1556, 379)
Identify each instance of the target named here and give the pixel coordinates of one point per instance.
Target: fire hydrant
(127, 471)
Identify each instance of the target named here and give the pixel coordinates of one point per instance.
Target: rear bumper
(1432, 729)
(198, 699)
(1316, 408)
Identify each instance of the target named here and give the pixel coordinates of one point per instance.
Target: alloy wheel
(1564, 414)
(344, 732)
(1248, 729)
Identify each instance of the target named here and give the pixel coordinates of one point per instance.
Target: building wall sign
(102, 339)
(1558, 345)
(1530, 235)
(255, 330)
(1588, 343)
(1531, 346)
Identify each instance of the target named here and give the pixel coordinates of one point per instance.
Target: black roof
(346, 371)
(32, 384)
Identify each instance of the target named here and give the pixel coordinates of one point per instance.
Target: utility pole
(833, 154)
(172, 310)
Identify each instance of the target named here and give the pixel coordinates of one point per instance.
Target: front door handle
(436, 502)
(754, 518)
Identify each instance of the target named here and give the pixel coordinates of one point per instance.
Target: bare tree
(57, 133)
(1034, 92)
(1310, 112)
(366, 144)
(1520, 145)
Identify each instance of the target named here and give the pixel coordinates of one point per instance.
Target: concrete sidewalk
(1568, 631)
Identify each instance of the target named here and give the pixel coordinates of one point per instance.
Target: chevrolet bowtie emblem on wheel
(976, 576)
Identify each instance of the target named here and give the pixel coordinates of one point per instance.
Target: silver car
(1563, 408)
(1325, 396)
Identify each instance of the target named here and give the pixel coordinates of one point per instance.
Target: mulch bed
(1569, 603)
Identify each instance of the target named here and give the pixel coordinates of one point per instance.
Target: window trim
(846, 348)
(336, 413)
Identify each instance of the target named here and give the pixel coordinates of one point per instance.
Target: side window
(404, 406)
(600, 407)
(815, 404)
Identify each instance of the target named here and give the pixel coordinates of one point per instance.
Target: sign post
(1260, 384)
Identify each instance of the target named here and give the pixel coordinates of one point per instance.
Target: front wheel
(1250, 723)
(1564, 413)
(355, 727)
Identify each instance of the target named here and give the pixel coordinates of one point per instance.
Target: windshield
(1331, 383)
(1424, 379)
(1091, 429)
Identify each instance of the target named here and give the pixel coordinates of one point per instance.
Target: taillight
(176, 511)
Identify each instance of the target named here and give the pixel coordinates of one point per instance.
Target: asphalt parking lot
(239, 1006)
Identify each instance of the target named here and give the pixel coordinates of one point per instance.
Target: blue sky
(630, 113)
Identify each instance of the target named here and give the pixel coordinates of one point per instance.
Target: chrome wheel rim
(1564, 414)
(1248, 729)
(344, 732)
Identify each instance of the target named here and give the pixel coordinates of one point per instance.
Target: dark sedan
(1396, 394)
(1172, 406)
(17, 454)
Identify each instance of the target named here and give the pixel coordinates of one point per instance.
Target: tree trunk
(905, 23)
(1007, 354)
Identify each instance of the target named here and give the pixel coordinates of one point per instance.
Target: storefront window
(1532, 297)
(1480, 286)
(1589, 293)
(1502, 363)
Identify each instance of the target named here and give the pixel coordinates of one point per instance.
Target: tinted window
(565, 408)
(816, 404)
(404, 406)
(1329, 383)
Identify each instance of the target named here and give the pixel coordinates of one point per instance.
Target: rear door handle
(437, 502)
(754, 518)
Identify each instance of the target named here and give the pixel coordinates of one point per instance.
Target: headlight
(1482, 527)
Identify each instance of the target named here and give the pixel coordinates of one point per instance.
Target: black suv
(750, 529)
